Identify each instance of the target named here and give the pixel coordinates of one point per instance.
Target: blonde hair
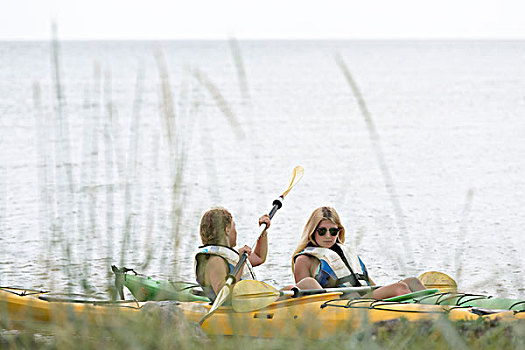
(318, 215)
(213, 226)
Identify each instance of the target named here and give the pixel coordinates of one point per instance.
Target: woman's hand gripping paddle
(230, 279)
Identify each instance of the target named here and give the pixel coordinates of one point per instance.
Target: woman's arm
(260, 252)
(304, 267)
(216, 271)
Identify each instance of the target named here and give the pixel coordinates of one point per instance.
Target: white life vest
(228, 254)
(337, 265)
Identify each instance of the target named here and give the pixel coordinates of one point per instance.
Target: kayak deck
(471, 300)
(144, 288)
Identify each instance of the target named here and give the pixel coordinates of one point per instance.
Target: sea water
(112, 151)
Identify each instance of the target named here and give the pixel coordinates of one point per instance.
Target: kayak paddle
(251, 295)
(231, 279)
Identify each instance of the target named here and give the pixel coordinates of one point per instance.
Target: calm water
(97, 179)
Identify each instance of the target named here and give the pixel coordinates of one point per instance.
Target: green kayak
(145, 288)
(471, 300)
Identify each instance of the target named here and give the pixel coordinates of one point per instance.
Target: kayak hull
(320, 316)
(28, 306)
(314, 316)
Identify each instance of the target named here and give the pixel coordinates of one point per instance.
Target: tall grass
(381, 160)
(93, 188)
(152, 329)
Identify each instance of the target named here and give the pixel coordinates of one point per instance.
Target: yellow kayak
(313, 316)
(319, 316)
(24, 306)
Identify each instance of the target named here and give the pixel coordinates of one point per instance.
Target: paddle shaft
(296, 292)
(230, 279)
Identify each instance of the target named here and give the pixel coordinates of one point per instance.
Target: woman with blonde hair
(217, 258)
(322, 261)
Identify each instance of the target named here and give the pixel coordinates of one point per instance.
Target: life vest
(333, 271)
(232, 258)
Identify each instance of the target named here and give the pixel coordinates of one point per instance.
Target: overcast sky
(268, 19)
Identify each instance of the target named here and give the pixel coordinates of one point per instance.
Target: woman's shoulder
(215, 259)
(305, 259)
(210, 265)
(305, 266)
(216, 264)
(204, 261)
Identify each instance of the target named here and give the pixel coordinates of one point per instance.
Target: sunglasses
(321, 231)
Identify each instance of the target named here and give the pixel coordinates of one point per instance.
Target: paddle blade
(221, 298)
(251, 295)
(439, 280)
(297, 175)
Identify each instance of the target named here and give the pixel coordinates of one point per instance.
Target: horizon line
(268, 39)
